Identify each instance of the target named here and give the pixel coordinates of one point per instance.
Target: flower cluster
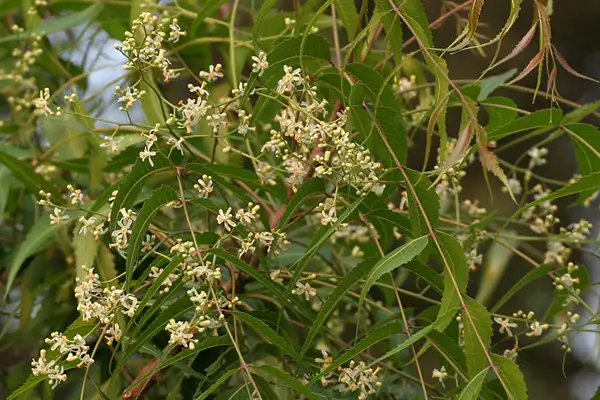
(95, 302)
(143, 45)
(62, 349)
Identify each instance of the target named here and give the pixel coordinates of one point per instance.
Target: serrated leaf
(395, 259)
(346, 10)
(266, 331)
(549, 117)
(308, 195)
(459, 273)
(270, 286)
(499, 116)
(225, 376)
(26, 174)
(471, 391)
(29, 384)
(159, 198)
(155, 287)
(319, 239)
(392, 25)
(373, 337)
(85, 248)
(511, 376)
(177, 308)
(588, 182)
(130, 187)
(449, 346)
(428, 198)
(405, 344)
(58, 24)
(384, 116)
(39, 236)
(333, 300)
(586, 141)
(488, 85)
(478, 333)
(293, 382)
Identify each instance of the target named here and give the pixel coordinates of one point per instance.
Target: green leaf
(319, 239)
(208, 8)
(130, 187)
(585, 183)
(499, 116)
(293, 382)
(471, 391)
(266, 331)
(177, 308)
(308, 195)
(428, 198)
(85, 248)
(587, 150)
(384, 115)
(270, 286)
(346, 10)
(159, 198)
(512, 377)
(530, 276)
(414, 338)
(477, 330)
(392, 24)
(30, 384)
(264, 9)
(459, 273)
(224, 377)
(26, 174)
(39, 237)
(395, 259)
(155, 287)
(373, 337)
(427, 274)
(58, 24)
(488, 85)
(449, 346)
(549, 117)
(415, 15)
(356, 274)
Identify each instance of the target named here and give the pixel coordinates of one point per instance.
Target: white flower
(260, 63)
(440, 374)
(289, 81)
(58, 216)
(111, 143)
(537, 156)
(204, 186)
(181, 333)
(214, 73)
(514, 185)
(505, 325)
(226, 219)
(304, 289)
(147, 154)
(148, 243)
(42, 103)
(215, 120)
(536, 329)
(176, 31)
(85, 224)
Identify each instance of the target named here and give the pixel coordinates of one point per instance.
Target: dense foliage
(274, 206)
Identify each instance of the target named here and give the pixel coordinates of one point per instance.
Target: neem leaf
(549, 117)
(395, 259)
(159, 198)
